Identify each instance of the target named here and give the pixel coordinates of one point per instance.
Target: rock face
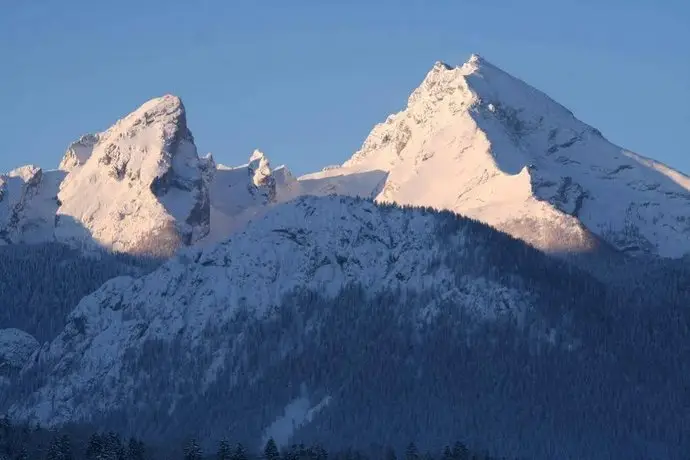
(138, 187)
(475, 140)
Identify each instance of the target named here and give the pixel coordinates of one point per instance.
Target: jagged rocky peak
(260, 169)
(78, 152)
(150, 142)
(476, 140)
(139, 184)
(28, 204)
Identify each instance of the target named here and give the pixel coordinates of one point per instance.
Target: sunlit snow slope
(475, 140)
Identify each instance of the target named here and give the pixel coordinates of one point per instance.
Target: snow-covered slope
(16, 347)
(475, 140)
(242, 193)
(138, 187)
(326, 311)
(28, 204)
(318, 244)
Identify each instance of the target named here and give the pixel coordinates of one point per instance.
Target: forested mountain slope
(370, 324)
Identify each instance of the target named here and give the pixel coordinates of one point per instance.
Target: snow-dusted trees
(192, 450)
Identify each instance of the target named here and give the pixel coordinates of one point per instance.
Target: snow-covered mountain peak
(160, 108)
(476, 140)
(440, 65)
(475, 58)
(137, 187)
(142, 185)
(144, 144)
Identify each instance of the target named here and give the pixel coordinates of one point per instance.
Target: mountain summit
(472, 139)
(141, 184)
(138, 187)
(478, 141)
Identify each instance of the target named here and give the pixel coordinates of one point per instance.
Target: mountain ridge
(472, 139)
(340, 293)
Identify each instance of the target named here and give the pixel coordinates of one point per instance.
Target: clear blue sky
(305, 81)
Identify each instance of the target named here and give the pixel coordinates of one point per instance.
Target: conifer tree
(95, 447)
(411, 452)
(240, 453)
(224, 452)
(113, 449)
(23, 454)
(460, 451)
(319, 452)
(60, 449)
(448, 454)
(136, 450)
(53, 452)
(271, 450)
(192, 451)
(66, 447)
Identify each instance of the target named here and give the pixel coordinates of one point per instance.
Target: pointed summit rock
(138, 187)
(478, 141)
(141, 188)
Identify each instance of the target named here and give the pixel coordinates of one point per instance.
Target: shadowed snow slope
(315, 244)
(478, 141)
(137, 187)
(344, 307)
(242, 193)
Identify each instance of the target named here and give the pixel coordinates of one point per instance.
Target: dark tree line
(21, 442)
